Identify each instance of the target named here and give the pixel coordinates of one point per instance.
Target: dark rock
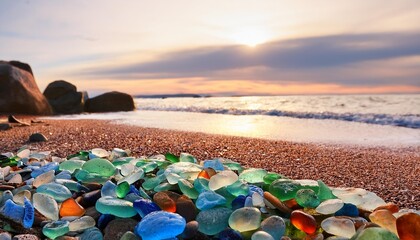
(21, 65)
(64, 98)
(190, 230)
(13, 119)
(117, 227)
(37, 137)
(110, 102)
(89, 199)
(186, 208)
(5, 126)
(19, 92)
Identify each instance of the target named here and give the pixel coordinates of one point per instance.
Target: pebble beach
(391, 173)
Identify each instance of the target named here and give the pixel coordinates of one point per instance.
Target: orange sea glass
(203, 174)
(392, 207)
(164, 202)
(408, 226)
(303, 221)
(71, 208)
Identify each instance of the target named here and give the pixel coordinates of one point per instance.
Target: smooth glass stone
(201, 185)
(122, 189)
(303, 221)
(213, 221)
(186, 170)
(238, 202)
(99, 166)
(348, 210)
(55, 229)
(82, 223)
(164, 187)
(98, 153)
(91, 234)
(172, 178)
(46, 205)
(187, 189)
(330, 206)
(209, 199)
(371, 201)
(19, 197)
(29, 214)
(117, 207)
(222, 179)
(126, 169)
(215, 164)
(230, 234)
(52, 166)
(203, 174)
(63, 175)
(253, 175)
(385, 219)
(238, 188)
(377, 234)
(257, 200)
(307, 198)
(71, 165)
(44, 178)
(324, 192)
(350, 195)
(13, 211)
(86, 177)
(284, 189)
(274, 225)
(248, 202)
(131, 197)
(145, 206)
(17, 178)
(245, 219)
(164, 202)
(271, 177)
(342, 227)
(261, 235)
(408, 226)
(308, 183)
(71, 208)
(23, 152)
(55, 190)
(149, 167)
(153, 182)
(6, 196)
(109, 189)
(104, 219)
(186, 157)
(134, 177)
(160, 225)
(172, 158)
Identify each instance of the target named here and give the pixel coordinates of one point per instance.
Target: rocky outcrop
(64, 97)
(19, 92)
(110, 102)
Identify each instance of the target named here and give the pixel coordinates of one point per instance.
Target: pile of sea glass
(178, 197)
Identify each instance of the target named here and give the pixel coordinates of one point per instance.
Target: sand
(392, 173)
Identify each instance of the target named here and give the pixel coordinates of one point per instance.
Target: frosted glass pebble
(330, 206)
(222, 179)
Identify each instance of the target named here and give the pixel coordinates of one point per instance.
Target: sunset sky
(217, 47)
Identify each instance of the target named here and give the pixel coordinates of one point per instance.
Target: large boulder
(110, 102)
(64, 98)
(19, 92)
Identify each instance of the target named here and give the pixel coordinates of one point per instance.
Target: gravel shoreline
(390, 173)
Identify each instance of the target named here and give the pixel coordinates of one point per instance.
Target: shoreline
(388, 172)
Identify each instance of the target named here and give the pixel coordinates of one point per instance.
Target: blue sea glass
(145, 206)
(160, 225)
(209, 199)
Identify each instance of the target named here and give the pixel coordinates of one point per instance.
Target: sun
(250, 36)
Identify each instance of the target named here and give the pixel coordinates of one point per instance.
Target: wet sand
(392, 173)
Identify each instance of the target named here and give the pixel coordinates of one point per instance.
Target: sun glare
(250, 37)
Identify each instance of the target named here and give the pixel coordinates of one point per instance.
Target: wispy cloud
(316, 59)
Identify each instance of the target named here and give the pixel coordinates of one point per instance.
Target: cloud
(314, 59)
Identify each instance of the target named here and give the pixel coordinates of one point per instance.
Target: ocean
(367, 120)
